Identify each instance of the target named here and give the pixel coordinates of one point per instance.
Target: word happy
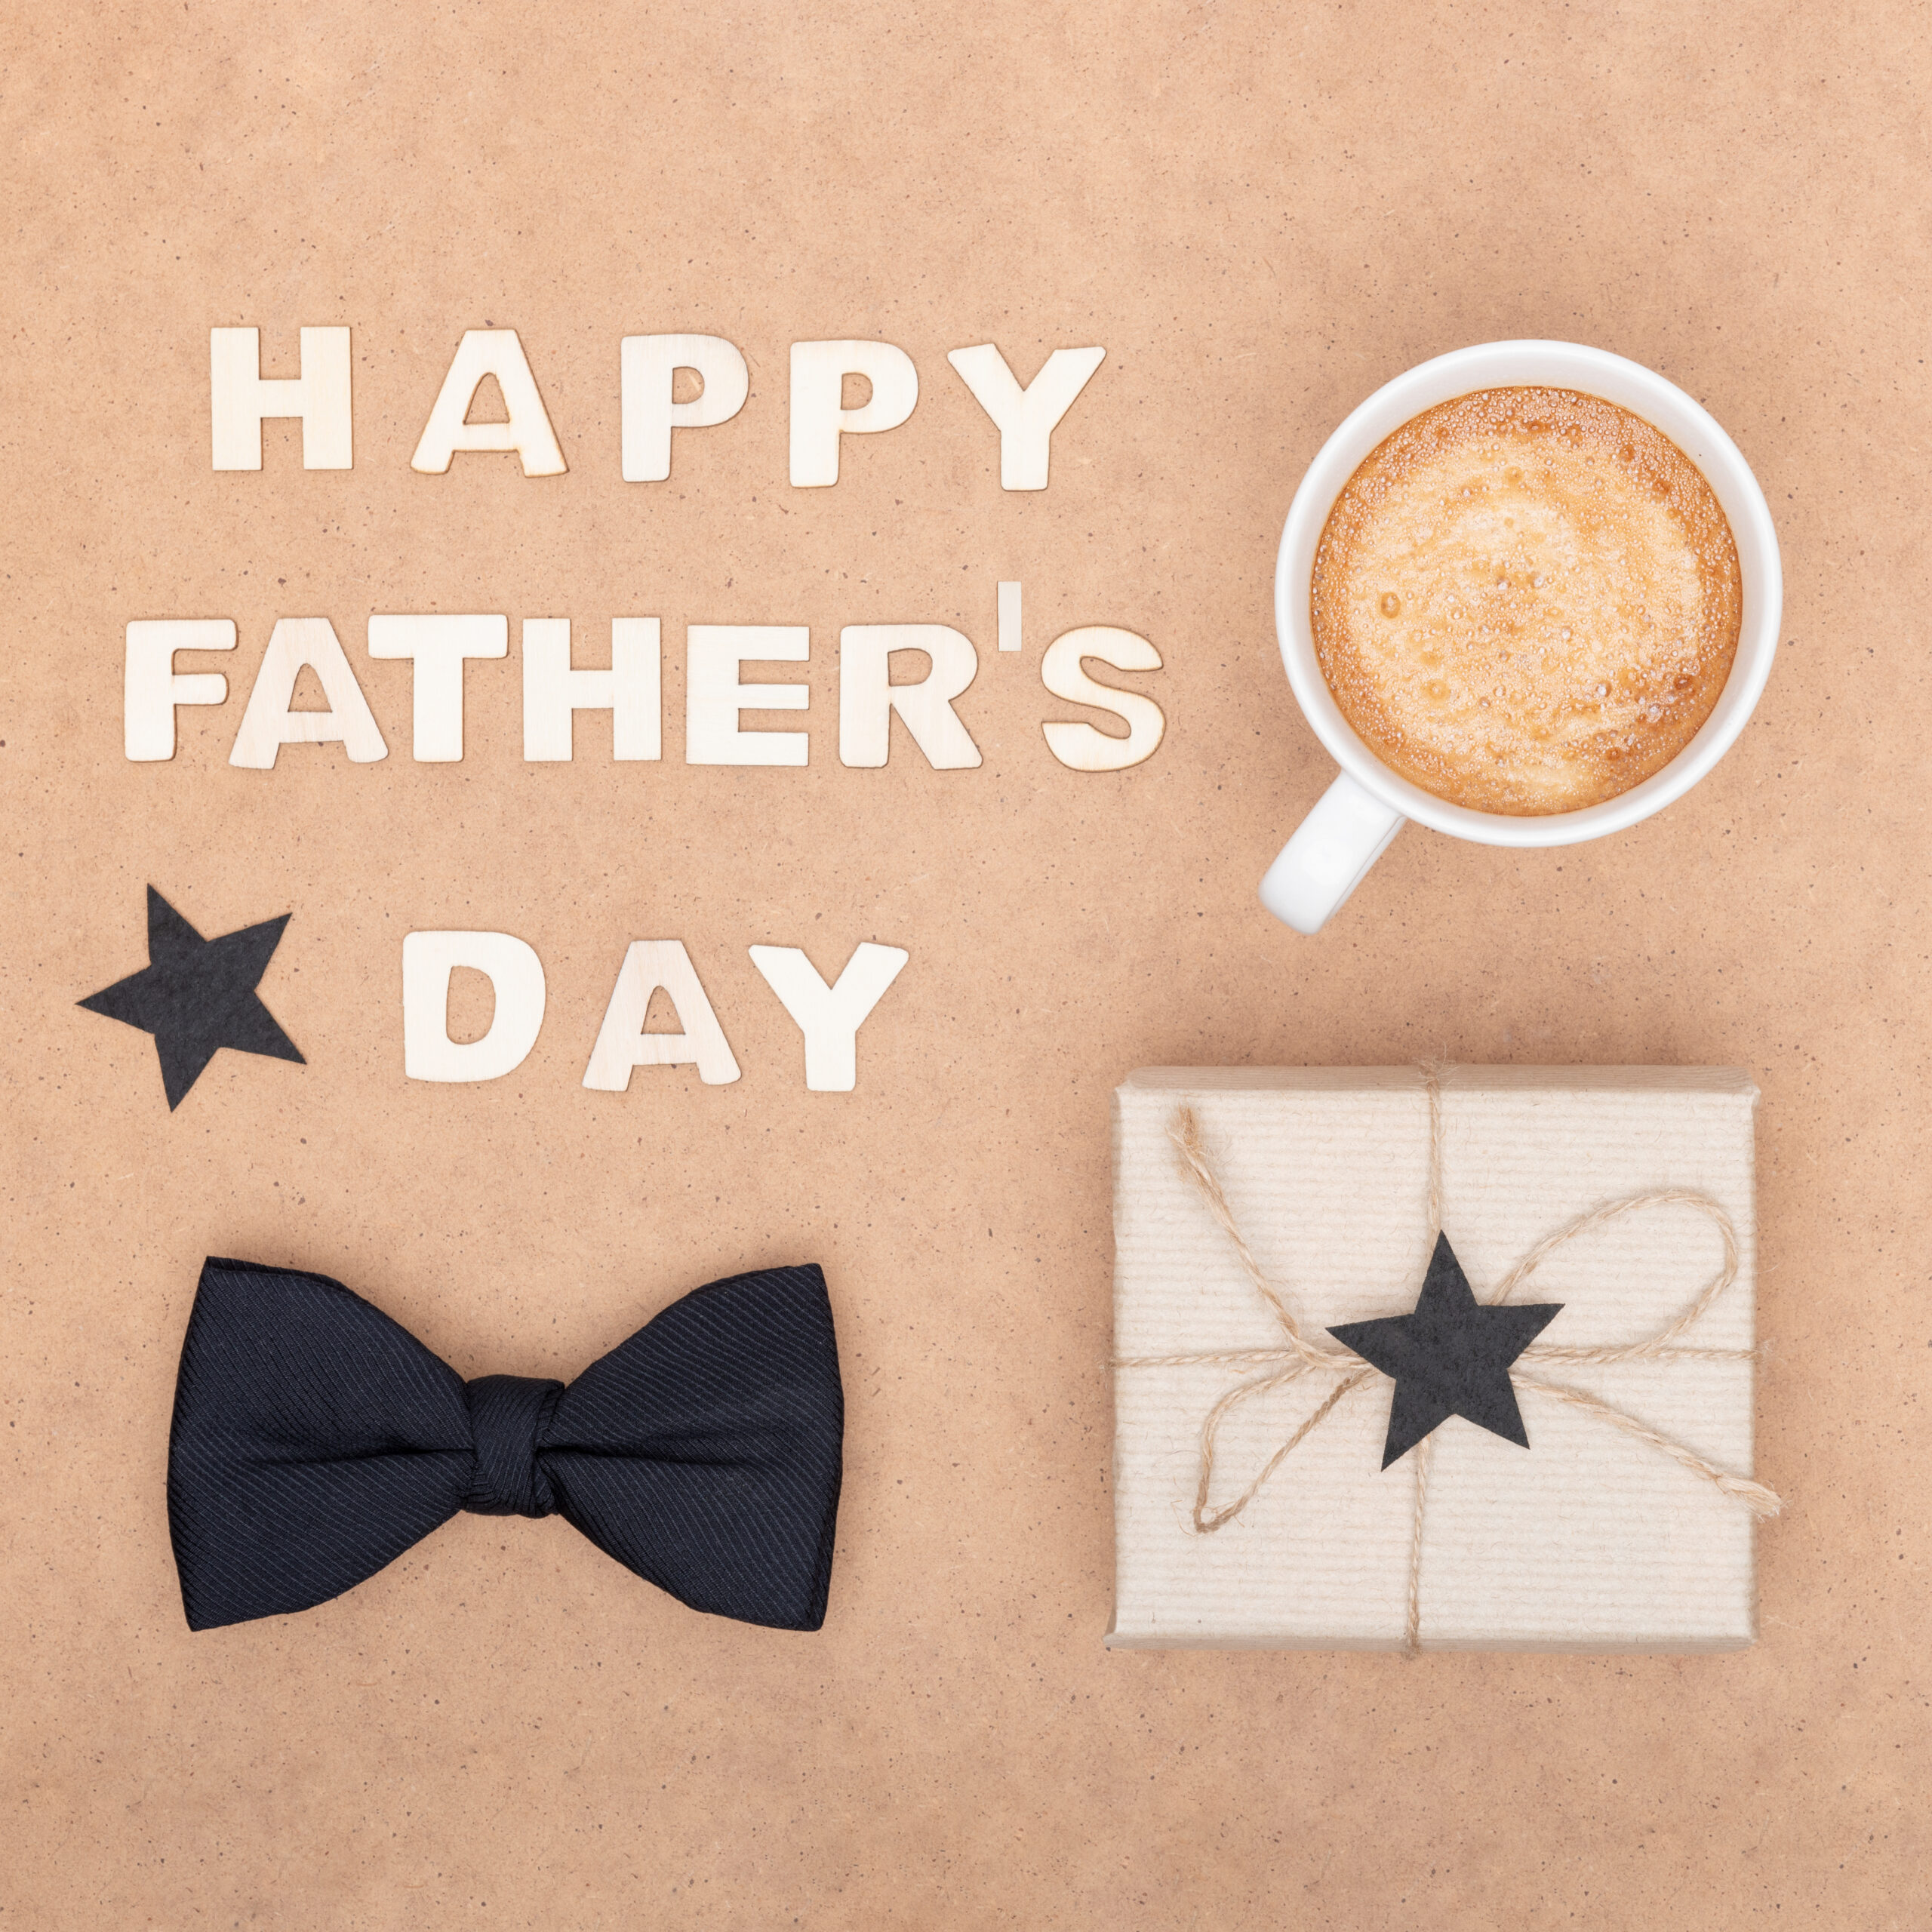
(240, 401)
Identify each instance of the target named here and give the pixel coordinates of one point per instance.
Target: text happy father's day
(439, 646)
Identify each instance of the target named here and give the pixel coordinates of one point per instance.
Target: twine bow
(1299, 1356)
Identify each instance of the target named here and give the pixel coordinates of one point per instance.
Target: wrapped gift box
(1592, 1538)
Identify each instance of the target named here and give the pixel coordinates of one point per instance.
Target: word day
(441, 646)
(241, 399)
(829, 1017)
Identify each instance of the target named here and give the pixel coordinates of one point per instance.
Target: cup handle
(1327, 858)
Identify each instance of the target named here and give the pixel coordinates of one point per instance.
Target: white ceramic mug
(1363, 810)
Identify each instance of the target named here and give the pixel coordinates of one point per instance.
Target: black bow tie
(315, 1441)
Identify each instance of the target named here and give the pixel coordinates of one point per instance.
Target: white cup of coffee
(1362, 810)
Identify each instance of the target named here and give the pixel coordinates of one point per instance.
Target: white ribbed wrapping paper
(1588, 1540)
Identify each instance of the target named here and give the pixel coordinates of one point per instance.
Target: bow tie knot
(509, 1414)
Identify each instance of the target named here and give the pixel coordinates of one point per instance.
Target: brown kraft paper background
(1263, 213)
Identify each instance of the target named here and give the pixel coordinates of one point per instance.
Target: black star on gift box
(197, 995)
(1450, 1358)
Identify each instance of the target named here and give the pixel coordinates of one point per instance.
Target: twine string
(1299, 1356)
(1412, 1623)
(1432, 1080)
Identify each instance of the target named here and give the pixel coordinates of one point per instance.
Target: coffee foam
(1526, 601)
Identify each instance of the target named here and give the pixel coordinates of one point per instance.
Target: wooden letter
(1080, 745)
(515, 973)
(151, 690)
(819, 416)
(267, 724)
(1009, 616)
(829, 1017)
(238, 398)
(439, 644)
(630, 690)
(648, 365)
(490, 352)
(867, 697)
(1026, 417)
(714, 698)
(622, 1042)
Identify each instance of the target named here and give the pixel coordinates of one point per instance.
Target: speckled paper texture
(1263, 212)
(1590, 1540)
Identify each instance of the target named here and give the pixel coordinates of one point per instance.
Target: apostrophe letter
(1080, 746)
(1026, 417)
(647, 367)
(1008, 607)
(622, 1042)
(819, 416)
(867, 697)
(714, 698)
(267, 724)
(238, 398)
(829, 1017)
(490, 352)
(439, 644)
(153, 690)
(516, 976)
(629, 690)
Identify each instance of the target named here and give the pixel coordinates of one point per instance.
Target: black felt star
(197, 995)
(1450, 1358)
